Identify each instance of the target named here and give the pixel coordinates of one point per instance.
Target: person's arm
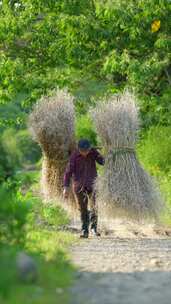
(99, 158)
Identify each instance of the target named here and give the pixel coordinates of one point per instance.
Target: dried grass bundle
(52, 126)
(123, 187)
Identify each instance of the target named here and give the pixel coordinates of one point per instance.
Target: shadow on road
(122, 288)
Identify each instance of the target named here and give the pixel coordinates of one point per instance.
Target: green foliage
(91, 47)
(14, 208)
(155, 149)
(53, 215)
(48, 249)
(165, 180)
(10, 147)
(7, 264)
(17, 151)
(26, 179)
(5, 169)
(154, 152)
(85, 129)
(29, 151)
(19, 147)
(26, 225)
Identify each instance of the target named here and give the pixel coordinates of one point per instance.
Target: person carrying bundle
(82, 169)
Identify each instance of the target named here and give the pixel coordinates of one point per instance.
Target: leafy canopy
(91, 47)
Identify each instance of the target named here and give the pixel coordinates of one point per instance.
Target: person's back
(82, 169)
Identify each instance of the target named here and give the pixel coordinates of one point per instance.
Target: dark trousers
(84, 197)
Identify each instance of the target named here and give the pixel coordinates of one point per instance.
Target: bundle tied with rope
(52, 124)
(123, 187)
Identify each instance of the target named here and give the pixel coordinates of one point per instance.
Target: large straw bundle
(52, 126)
(123, 187)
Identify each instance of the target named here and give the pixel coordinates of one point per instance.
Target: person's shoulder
(74, 154)
(93, 150)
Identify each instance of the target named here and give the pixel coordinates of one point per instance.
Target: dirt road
(127, 265)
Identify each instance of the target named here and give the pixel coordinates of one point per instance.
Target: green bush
(165, 182)
(10, 148)
(112, 46)
(25, 226)
(84, 129)
(14, 209)
(154, 152)
(17, 151)
(54, 215)
(29, 151)
(5, 168)
(155, 149)
(8, 269)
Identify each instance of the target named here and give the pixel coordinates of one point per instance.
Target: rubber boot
(93, 221)
(85, 225)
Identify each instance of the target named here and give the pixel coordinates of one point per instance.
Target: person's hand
(66, 192)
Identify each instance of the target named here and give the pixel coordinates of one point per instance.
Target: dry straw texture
(52, 126)
(123, 187)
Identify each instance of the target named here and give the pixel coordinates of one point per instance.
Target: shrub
(19, 148)
(17, 152)
(85, 129)
(30, 152)
(10, 148)
(155, 149)
(5, 167)
(14, 208)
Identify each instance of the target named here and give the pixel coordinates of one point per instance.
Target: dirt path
(130, 265)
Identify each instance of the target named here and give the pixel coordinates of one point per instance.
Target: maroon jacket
(82, 169)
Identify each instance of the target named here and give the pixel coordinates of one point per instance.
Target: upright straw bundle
(52, 126)
(123, 187)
